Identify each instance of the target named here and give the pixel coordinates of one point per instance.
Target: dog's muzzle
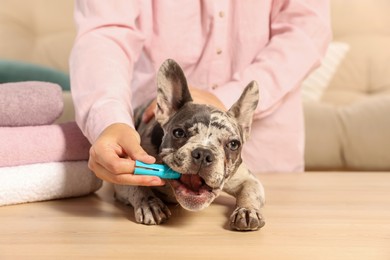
(192, 192)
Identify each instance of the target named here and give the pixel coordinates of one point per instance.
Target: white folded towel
(46, 181)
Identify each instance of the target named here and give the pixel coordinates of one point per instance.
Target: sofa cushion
(318, 80)
(352, 137)
(323, 147)
(365, 26)
(16, 71)
(366, 134)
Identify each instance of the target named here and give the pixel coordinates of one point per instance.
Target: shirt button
(221, 14)
(219, 51)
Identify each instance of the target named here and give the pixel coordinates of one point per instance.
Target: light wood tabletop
(308, 216)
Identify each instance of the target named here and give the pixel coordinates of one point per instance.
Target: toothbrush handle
(144, 171)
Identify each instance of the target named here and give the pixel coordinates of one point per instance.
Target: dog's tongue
(192, 181)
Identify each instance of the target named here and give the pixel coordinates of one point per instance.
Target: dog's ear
(245, 106)
(172, 91)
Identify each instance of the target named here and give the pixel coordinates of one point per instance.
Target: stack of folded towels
(40, 160)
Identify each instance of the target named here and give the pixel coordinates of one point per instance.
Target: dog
(202, 143)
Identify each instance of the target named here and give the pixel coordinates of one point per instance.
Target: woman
(221, 46)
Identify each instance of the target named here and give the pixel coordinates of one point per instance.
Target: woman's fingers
(112, 157)
(124, 178)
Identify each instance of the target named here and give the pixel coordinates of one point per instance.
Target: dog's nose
(202, 156)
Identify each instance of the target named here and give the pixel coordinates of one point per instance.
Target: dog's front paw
(151, 211)
(244, 219)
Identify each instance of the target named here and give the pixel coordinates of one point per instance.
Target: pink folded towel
(30, 103)
(39, 144)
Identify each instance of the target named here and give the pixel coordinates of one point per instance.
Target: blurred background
(346, 100)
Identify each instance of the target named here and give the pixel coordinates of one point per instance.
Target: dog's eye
(179, 133)
(233, 145)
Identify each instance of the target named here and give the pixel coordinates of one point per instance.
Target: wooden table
(308, 216)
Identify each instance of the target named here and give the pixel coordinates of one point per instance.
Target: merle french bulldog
(202, 143)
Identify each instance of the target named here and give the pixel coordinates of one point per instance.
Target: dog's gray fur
(203, 144)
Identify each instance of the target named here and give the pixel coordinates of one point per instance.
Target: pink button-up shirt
(221, 46)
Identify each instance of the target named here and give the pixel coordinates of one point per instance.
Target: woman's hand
(112, 157)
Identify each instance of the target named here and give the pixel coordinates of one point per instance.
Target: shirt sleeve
(300, 32)
(101, 63)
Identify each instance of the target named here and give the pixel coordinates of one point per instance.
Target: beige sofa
(348, 129)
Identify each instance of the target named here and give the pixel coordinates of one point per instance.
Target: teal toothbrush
(160, 170)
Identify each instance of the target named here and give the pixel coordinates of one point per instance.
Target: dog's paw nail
(152, 212)
(244, 219)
